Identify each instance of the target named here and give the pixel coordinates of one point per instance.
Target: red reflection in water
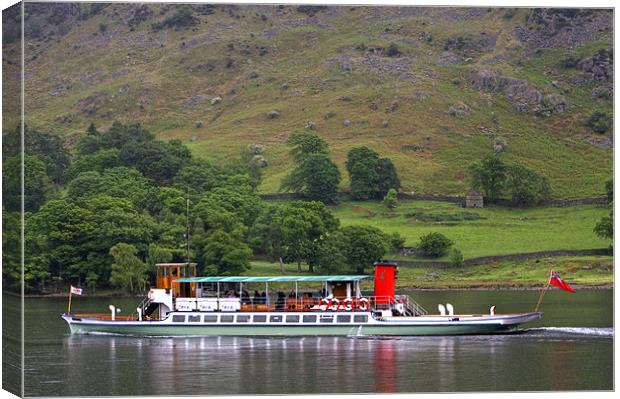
(385, 368)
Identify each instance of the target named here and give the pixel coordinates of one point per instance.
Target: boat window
(210, 319)
(226, 319)
(309, 319)
(343, 319)
(243, 318)
(292, 319)
(360, 319)
(193, 319)
(275, 319)
(326, 319)
(261, 318)
(178, 319)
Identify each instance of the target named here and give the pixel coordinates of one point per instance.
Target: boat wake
(576, 331)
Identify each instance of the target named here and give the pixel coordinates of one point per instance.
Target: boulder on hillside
(256, 148)
(458, 110)
(273, 114)
(260, 161)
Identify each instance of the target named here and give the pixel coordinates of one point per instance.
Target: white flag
(76, 291)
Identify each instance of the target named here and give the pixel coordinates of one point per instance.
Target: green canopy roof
(268, 279)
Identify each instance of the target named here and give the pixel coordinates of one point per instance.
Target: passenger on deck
(245, 297)
(280, 301)
(257, 298)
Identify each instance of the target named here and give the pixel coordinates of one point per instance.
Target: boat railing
(401, 303)
(412, 308)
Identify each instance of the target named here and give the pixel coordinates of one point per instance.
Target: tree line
(102, 213)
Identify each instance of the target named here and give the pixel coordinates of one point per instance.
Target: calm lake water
(570, 348)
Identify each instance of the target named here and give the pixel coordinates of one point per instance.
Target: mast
(187, 226)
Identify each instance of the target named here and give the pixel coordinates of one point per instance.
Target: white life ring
(347, 304)
(334, 304)
(363, 304)
(151, 295)
(325, 303)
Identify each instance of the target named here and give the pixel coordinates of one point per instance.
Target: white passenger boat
(183, 304)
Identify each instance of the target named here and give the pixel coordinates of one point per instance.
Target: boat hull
(422, 326)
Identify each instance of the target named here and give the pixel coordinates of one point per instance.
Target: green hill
(431, 88)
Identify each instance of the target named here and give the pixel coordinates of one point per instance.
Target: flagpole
(542, 293)
(69, 306)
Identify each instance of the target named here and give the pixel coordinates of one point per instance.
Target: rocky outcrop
(599, 67)
(91, 104)
(525, 96)
(563, 28)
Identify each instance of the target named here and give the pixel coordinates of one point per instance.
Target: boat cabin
(168, 275)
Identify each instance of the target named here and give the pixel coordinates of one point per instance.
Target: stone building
(474, 199)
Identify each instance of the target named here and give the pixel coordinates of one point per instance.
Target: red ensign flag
(556, 280)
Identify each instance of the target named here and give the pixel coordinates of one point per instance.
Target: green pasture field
(493, 230)
(578, 271)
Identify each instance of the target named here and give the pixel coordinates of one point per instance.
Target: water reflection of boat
(183, 304)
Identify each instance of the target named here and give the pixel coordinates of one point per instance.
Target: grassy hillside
(332, 67)
(483, 232)
(580, 271)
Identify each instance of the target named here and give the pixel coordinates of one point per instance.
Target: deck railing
(401, 304)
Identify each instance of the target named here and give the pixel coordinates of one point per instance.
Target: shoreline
(406, 289)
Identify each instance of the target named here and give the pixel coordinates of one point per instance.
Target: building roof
(269, 279)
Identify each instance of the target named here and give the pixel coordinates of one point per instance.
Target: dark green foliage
(392, 50)
(371, 177)
(118, 135)
(94, 162)
(599, 121)
(37, 185)
(316, 177)
(157, 160)
(120, 182)
(434, 244)
(609, 190)
(198, 176)
(73, 237)
(456, 258)
(605, 227)
(305, 144)
(387, 177)
(11, 250)
(526, 187)
(242, 204)
(47, 147)
(364, 180)
(438, 216)
(352, 249)
(182, 18)
(225, 253)
(294, 231)
(569, 62)
(489, 176)
(127, 270)
(390, 200)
